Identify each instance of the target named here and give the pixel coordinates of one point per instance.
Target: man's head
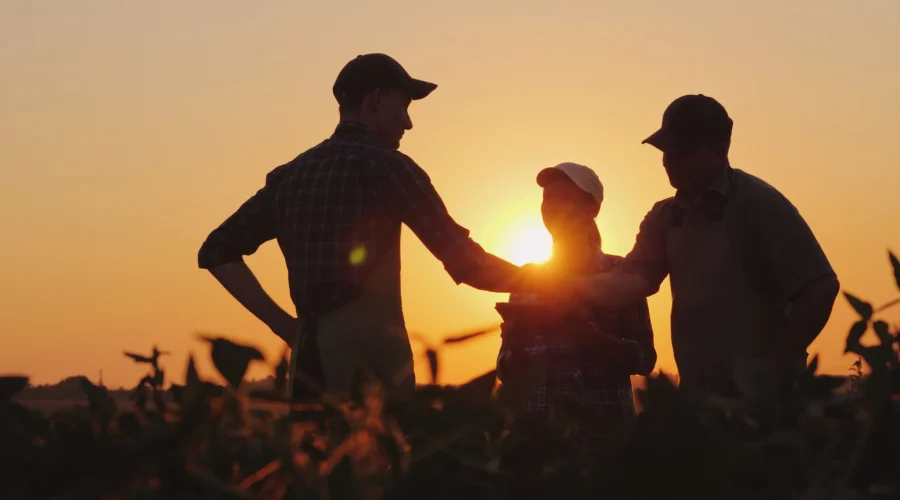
(694, 138)
(376, 91)
(572, 197)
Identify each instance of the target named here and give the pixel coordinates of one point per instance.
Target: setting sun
(526, 243)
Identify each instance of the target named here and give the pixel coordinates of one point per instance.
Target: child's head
(572, 197)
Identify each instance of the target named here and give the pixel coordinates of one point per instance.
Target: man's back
(336, 210)
(333, 219)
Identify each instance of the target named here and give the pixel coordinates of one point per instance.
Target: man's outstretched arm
(614, 289)
(222, 255)
(639, 274)
(409, 189)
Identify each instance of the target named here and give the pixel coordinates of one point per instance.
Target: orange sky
(131, 129)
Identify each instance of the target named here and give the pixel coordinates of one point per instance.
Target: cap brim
(420, 89)
(545, 176)
(658, 139)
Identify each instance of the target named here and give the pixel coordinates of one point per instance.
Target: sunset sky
(131, 129)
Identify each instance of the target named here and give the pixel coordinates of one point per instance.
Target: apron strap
(307, 375)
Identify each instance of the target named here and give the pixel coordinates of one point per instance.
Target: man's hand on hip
(242, 284)
(287, 329)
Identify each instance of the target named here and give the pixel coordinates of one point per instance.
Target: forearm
(242, 284)
(808, 315)
(493, 274)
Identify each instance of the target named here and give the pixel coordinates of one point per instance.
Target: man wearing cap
(336, 211)
(751, 286)
(587, 353)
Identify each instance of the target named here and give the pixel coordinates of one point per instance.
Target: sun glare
(527, 244)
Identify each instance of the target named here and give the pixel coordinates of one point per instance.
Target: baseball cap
(692, 119)
(583, 177)
(368, 72)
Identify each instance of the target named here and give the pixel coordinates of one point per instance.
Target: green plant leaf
(10, 386)
(813, 366)
(863, 308)
(895, 263)
(232, 360)
(877, 358)
(191, 377)
(432, 356)
(856, 332)
(884, 335)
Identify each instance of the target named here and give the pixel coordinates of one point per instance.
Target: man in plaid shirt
(586, 353)
(336, 211)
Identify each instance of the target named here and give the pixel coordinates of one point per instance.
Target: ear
(375, 99)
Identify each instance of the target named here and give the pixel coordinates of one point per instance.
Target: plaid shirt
(335, 210)
(594, 375)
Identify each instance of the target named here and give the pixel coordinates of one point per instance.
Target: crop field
(194, 439)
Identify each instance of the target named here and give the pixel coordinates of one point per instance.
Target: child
(588, 355)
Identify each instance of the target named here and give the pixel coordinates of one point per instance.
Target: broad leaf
(191, 377)
(883, 332)
(896, 265)
(813, 365)
(876, 357)
(856, 332)
(863, 308)
(232, 360)
(432, 364)
(10, 386)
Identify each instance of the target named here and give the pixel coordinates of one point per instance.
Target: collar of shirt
(714, 198)
(354, 131)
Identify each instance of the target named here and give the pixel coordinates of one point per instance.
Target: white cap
(582, 176)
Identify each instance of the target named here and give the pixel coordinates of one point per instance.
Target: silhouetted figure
(336, 211)
(751, 286)
(586, 355)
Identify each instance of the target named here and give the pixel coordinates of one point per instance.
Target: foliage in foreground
(201, 440)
